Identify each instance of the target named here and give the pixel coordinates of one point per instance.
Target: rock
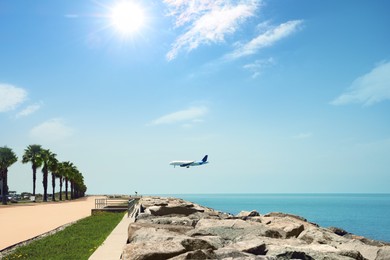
(295, 255)
(230, 223)
(231, 229)
(255, 247)
(367, 251)
(352, 254)
(282, 215)
(172, 210)
(229, 253)
(152, 250)
(146, 231)
(246, 214)
(172, 228)
(226, 233)
(198, 254)
(383, 253)
(317, 252)
(320, 236)
(338, 231)
(289, 229)
(255, 219)
(180, 221)
(192, 244)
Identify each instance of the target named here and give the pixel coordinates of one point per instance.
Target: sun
(127, 17)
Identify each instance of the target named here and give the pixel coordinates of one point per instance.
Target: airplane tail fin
(205, 158)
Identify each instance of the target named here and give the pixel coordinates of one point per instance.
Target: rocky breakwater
(169, 228)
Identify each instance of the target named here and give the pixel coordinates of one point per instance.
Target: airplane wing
(180, 163)
(187, 164)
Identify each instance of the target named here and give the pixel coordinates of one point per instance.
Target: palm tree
(7, 158)
(68, 171)
(47, 157)
(80, 187)
(71, 178)
(76, 181)
(61, 172)
(53, 168)
(33, 154)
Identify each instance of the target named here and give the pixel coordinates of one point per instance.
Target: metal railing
(108, 203)
(132, 203)
(100, 203)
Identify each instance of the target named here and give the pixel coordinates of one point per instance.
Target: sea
(365, 215)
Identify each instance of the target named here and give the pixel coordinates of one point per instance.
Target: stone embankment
(169, 228)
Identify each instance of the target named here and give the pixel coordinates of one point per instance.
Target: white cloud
(11, 97)
(51, 130)
(258, 66)
(28, 110)
(209, 21)
(187, 116)
(265, 39)
(368, 89)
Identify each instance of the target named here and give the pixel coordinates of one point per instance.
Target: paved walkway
(112, 247)
(19, 223)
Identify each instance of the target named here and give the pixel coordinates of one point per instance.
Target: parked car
(15, 198)
(1, 198)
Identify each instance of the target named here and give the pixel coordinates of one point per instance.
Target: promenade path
(22, 222)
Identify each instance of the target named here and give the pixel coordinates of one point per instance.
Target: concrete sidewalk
(112, 247)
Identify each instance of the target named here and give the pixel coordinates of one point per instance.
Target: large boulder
(367, 251)
(152, 250)
(148, 231)
(197, 254)
(287, 228)
(231, 229)
(231, 253)
(172, 210)
(383, 253)
(178, 221)
(246, 214)
(255, 246)
(321, 236)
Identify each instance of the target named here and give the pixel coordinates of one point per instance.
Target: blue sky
(284, 96)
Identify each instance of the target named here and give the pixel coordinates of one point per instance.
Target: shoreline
(178, 229)
(342, 210)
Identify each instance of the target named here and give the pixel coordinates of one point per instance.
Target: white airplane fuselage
(187, 164)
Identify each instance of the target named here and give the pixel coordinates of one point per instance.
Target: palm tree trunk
(34, 178)
(66, 189)
(71, 190)
(4, 192)
(60, 188)
(44, 182)
(53, 183)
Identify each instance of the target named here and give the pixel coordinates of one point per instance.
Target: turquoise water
(361, 214)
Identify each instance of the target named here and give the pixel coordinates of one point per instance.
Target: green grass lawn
(77, 241)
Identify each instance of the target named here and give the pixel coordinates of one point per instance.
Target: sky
(284, 96)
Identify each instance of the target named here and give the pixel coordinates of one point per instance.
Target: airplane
(187, 164)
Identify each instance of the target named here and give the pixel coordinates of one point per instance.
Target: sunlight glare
(127, 17)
